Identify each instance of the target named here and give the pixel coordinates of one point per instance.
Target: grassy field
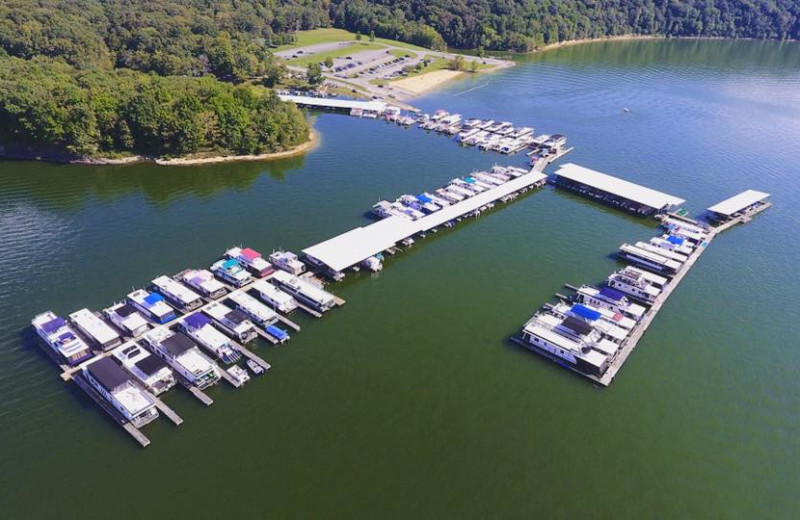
(304, 59)
(328, 35)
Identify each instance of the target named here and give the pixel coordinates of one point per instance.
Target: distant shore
(20, 153)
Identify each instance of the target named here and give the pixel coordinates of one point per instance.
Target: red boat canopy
(250, 254)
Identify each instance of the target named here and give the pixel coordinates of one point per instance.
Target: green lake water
(409, 401)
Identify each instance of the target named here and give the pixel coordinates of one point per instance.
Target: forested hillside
(157, 76)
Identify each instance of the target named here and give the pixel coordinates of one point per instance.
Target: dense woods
(167, 77)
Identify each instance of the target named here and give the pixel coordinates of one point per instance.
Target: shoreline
(59, 158)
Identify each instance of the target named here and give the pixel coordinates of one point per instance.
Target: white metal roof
(738, 202)
(610, 184)
(348, 249)
(94, 326)
(347, 104)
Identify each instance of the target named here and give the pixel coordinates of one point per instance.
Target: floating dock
(755, 203)
(613, 191)
(335, 104)
(740, 205)
(349, 249)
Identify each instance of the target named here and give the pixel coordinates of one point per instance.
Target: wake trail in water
(471, 89)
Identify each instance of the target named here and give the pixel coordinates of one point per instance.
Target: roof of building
(350, 248)
(107, 373)
(177, 344)
(150, 365)
(738, 202)
(197, 320)
(347, 104)
(610, 184)
(153, 298)
(53, 325)
(250, 254)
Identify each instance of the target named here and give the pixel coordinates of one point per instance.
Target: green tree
(456, 63)
(329, 62)
(372, 35)
(314, 74)
(358, 36)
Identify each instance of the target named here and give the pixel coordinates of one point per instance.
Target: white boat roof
(94, 326)
(211, 336)
(610, 184)
(650, 277)
(264, 287)
(350, 248)
(253, 306)
(176, 289)
(307, 288)
(738, 202)
(650, 256)
(217, 310)
(349, 104)
(195, 362)
(132, 399)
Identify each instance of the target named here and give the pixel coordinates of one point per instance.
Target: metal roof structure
(334, 103)
(738, 202)
(350, 248)
(616, 186)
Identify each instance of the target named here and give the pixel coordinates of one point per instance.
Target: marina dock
(738, 210)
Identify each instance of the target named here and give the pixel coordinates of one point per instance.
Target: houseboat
(259, 313)
(437, 199)
(673, 243)
(203, 281)
(305, 291)
(608, 328)
(568, 352)
(233, 272)
(449, 197)
(60, 337)
(183, 356)
(238, 374)
(672, 255)
(97, 330)
(372, 263)
(648, 259)
(652, 278)
(634, 285)
(127, 319)
(199, 327)
(252, 260)
(116, 386)
(177, 294)
(288, 262)
(274, 297)
(152, 306)
(611, 299)
(581, 331)
(149, 370)
(233, 322)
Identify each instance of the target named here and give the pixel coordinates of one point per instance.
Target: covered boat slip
(645, 200)
(377, 107)
(738, 203)
(356, 245)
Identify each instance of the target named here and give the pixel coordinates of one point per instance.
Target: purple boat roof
(53, 325)
(612, 293)
(197, 320)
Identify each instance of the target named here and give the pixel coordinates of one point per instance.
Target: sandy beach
(313, 140)
(426, 82)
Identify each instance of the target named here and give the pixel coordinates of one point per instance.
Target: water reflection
(71, 186)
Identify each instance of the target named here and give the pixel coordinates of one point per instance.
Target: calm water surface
(409, 401)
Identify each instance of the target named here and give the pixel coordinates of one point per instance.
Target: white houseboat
(203, 281)
(252, 260)
(60, 337)
(634, 284)
(183, 356)
(149, 370)
(116, 386)
(233, 322)
(259, 313)
(611, 299)
(287, 261)
(127, 319)
(233, 272)
(177, 294)
(571, 353)
(648, 259)
(152, 306)
(198, 326)
(274, 297)
(304, 291)
(95, 329)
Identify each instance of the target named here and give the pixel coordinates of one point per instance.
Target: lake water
(409, 401)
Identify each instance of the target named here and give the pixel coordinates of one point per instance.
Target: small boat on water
(60, 337)
(372, 263)
(238, 374)
(255, 367)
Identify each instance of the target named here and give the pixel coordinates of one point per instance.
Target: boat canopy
(230, 264)
(250, 254)
(585, 312)
(469, 180)
(277, 332)
(423, 198)
(675, 240)
(53, 325)
(197, 320)
(612, 294)
(153, 298)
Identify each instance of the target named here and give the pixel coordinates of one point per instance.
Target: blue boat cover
(469, 180)
(53, 325)
(153, 298)
(423, 198)
(229, 264)
(675, 240)
(586, 312)
(197, 320)
(612, 294)
(277, 332)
